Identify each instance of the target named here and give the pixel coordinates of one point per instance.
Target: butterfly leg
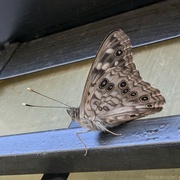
(78, 135)
(107, 130)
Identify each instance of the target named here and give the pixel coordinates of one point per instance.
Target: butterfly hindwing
(125, 97)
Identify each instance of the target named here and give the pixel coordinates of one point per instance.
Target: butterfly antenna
(31, 90)
(31, 105)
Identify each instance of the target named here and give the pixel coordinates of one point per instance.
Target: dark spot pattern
(119, 52)
(124, 91)
(133, 94)
(144, 98)
(122, 84)
(110, 87)
(103, 83)
(100, 108)
(132, 115)
(106, 108)
(149, 105)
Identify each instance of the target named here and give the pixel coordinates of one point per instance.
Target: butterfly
(114, 92)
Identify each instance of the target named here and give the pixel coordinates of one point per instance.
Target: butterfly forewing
(106, 58)
(113, 51)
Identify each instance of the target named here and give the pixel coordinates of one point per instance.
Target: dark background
(24, 20)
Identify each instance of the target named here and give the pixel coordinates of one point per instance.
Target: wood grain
(24, 21)
(139, 147)
(146, 25)
(6, 55)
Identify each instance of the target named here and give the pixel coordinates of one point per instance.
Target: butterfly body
(115, 92)
(90, 124)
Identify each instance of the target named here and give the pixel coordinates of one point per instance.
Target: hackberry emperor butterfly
(114, 92)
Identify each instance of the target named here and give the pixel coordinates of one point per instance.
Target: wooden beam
(144, 144)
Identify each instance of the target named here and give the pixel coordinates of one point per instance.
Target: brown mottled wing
(115, 40)
(114, 91)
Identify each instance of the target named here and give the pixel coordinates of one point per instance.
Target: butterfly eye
(124, 91)
(133, 94)
(119, 52)
(122, 84)
(144, 98)
(110, 87)
(103, 83)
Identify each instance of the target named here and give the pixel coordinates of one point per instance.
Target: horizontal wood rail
(144, 144)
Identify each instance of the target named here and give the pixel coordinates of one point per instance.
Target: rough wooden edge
(6, 55)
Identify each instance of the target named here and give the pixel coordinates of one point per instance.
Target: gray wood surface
(146, 144)
(144, 26)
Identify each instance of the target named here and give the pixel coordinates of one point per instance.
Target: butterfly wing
(115, 92)
(125, 97)
(105, 59)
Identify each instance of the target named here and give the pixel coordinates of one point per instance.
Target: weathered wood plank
(22, 21)
(144, 144)
(145, 25)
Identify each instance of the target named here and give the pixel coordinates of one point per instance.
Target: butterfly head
(73, 113)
